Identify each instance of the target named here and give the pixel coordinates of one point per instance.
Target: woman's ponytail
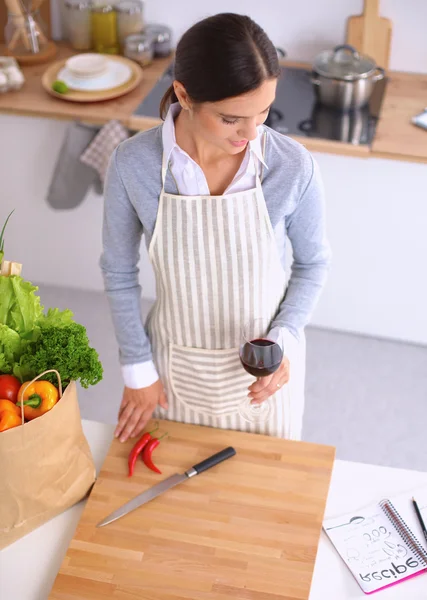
(168, 99)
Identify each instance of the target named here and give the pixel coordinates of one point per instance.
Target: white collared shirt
(191, 181)
(189, 177)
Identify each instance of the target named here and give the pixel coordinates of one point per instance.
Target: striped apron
(217, 267)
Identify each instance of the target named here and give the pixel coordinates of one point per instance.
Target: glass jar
(77, 18)
(25, 34)
(139, 47)
(162, 37)
(104, 29)
(130, 19)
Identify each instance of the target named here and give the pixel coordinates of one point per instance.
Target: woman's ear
(181, 94)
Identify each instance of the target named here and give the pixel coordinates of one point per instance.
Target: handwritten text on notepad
(374, 550)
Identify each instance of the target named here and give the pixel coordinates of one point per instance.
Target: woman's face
(230, 124)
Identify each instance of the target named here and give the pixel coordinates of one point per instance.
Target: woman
(216, 194)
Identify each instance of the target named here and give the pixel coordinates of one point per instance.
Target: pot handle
(380, 75)
(273, 116)
(351, 49)
(280, 52)
(315, 81)
(306, 126)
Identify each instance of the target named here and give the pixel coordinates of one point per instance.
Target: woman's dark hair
(221, 57)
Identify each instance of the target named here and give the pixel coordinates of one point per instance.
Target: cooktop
(295, 110)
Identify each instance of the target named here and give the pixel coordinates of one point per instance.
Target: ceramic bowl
(86, 66)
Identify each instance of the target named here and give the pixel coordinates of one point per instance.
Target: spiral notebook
(382, 544)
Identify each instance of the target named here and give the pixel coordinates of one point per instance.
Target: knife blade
(167, 484)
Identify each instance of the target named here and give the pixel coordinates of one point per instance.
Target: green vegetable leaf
(6, 299)
(2, 235)
(19, 305)
(56, 318)
(32, 342)
(5, 366)
(27, 309)
(24, 373)
(10, 348)
(65, 349)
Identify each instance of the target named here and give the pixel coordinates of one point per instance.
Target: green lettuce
(56, 318)
(32, 341)
(11, 348)
(20, 307)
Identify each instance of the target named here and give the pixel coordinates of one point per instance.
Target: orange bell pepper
(39, 398)
(9, 419)
(9, 405)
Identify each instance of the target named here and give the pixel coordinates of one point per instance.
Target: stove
(295, 110)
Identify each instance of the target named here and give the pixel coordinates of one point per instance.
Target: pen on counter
(420, 518)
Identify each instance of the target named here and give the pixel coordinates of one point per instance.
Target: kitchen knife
(168, 483)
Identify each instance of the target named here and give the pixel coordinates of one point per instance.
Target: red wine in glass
(261, 357)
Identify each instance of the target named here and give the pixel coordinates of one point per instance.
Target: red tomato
(9, 387)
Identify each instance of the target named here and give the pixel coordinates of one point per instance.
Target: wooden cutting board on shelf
(371, 34)
(247, 529)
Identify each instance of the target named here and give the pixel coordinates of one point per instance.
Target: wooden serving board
(247, 529)
(371, 34)
(51, 75)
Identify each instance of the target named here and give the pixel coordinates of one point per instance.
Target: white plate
(117, 74)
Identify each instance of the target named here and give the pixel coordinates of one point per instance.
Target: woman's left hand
(265, 387)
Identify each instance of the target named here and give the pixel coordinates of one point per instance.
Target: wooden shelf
(396, 137)
(32, 100)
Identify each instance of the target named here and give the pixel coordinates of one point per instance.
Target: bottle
(104, 29)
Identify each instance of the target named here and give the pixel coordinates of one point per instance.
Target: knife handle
(214, 460)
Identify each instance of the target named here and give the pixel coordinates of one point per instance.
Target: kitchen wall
(304, 27)
(377, 209)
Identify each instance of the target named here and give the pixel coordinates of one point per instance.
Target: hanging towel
(98, 153)
(71, 178)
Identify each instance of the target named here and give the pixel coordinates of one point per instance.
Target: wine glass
(261, 354)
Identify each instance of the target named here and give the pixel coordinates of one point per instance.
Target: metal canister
(139, 47)
(162, 39)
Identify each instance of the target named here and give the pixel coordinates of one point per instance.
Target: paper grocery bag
(45, 467)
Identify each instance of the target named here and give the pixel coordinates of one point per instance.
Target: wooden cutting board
(371, 34)
(247, 529)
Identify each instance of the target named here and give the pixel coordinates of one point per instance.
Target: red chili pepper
(137, 449)
(148, 451)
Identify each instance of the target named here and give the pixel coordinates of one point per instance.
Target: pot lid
(344, 62)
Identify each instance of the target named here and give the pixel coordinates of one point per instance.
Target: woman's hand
(265, 387)
(137, 408)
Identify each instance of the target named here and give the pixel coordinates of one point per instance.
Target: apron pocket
(212, 382)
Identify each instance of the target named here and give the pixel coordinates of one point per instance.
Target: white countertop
(29, 566)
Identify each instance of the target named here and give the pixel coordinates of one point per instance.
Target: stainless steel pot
(344, 79)
(352, 127)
